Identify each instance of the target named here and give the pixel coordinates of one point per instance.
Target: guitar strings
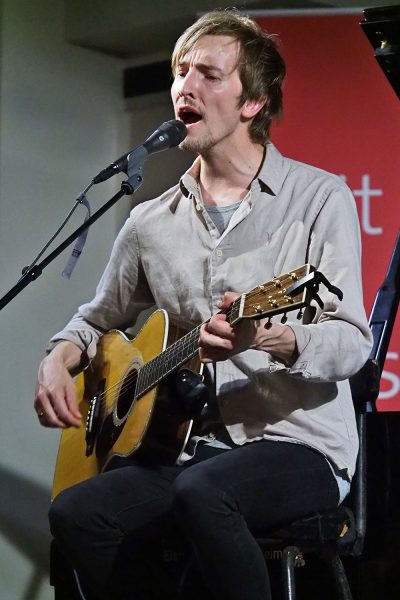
(171, 350)
(185, 345)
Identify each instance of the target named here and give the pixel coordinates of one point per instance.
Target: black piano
(382, 28)
(378, 571)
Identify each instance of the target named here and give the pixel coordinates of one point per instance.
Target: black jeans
(219, 503)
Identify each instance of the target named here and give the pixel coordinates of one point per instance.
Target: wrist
(66, 354)
(279, 341)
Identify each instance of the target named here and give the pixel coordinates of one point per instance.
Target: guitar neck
(293, 290)
(177, 354)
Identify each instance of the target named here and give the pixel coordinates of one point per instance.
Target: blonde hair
(261, 67)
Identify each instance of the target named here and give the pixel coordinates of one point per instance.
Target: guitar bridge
(93, 421)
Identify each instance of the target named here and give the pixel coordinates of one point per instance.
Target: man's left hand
(219, 340)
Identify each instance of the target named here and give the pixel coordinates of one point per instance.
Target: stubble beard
(204, 143)
(200, 145)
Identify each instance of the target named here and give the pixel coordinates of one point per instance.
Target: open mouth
(188, 116)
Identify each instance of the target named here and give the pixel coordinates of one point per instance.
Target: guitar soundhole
(126, 396)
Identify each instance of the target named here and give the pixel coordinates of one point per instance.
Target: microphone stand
(128, 187)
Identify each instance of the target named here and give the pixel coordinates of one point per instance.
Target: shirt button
(219, 253)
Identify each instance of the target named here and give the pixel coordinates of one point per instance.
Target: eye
(210, 77)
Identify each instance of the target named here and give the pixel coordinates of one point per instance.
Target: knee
(198, 491)
(61, 514)
(74, 513)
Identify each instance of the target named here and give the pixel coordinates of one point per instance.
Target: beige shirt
(169, 253)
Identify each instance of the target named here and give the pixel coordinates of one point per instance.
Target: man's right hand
(55, 395)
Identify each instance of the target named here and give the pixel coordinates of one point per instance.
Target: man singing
(284, 444)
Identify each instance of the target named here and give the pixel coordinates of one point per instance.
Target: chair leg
(340, 577)
(290, 555)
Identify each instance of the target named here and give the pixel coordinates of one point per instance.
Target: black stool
(338, 532)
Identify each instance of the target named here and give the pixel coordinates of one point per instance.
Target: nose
(187, 85)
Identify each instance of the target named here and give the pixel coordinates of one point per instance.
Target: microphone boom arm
(128, 187)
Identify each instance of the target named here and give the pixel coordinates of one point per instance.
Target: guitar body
(152, 426)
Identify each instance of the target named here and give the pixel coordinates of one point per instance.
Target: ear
(252, 107)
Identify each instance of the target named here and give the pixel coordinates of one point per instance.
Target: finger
(217, 317)
(41, 403)
(63, 412)
(70, 398)
(204, 357)
(220, 327)
(55, 409)
(46, 415)
(48, 418)
(209, 355)
(215, 338)
(227, 300)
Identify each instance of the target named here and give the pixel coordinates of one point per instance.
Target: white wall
(60, 115)
(62, 119)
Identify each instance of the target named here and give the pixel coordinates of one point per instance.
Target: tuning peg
(268, 324)
(284, 318)
(300, 314)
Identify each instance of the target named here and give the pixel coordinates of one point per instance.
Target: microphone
(169, 134)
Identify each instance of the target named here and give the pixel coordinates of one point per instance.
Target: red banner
(342, 115)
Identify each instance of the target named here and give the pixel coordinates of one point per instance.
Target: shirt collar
(188, 181)
(273, 171)
(270, 178)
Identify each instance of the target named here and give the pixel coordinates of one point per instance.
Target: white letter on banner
(392, 377)
(365, 193)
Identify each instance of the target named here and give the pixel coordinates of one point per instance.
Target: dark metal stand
(128, 187)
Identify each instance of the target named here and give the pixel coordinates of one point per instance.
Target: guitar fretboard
(280, 295)
(176, 355)
(165, 363)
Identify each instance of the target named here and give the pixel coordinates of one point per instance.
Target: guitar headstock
(279, 295)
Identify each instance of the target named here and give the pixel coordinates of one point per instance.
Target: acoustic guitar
(124, 394)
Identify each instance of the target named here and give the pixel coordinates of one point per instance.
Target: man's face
(206, 92)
